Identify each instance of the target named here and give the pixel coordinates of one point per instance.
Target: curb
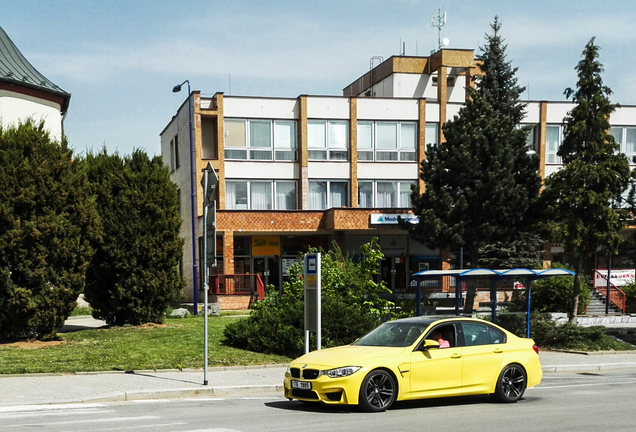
(149, 371)
(140, 395)
(588, 367)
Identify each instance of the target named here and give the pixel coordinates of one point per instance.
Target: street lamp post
(177, 89)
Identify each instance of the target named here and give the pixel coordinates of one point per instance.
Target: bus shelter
(519, 274)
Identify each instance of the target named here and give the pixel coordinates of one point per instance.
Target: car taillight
(535, 348)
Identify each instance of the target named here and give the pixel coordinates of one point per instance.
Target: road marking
(54, 407)
(629, 381)
(59, 413)
(101, 420)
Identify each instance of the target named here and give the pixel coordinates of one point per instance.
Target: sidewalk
(223, 382)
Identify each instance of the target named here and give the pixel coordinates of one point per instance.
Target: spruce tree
(47, 224)
(134, 274)
(480, 185)
(578, 198)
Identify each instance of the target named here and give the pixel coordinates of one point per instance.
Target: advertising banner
(618, 277)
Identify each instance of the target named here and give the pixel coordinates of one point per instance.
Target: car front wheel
(511, 384)
(378, 391)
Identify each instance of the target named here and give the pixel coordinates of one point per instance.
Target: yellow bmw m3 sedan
(417, 358)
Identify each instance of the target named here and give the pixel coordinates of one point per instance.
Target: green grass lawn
(178, 344)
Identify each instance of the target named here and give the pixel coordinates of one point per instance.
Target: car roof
(427, 320)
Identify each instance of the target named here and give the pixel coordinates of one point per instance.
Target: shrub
(47, 224)
(630, 293)
(351, 306)
(550, 335)
(134, 273)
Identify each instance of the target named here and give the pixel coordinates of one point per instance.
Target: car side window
(475, 334)
(496, 336)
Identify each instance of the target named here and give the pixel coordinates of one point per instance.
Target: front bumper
(331, 391)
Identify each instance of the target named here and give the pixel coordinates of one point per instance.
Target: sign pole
(209, 182)
(205, 282)
(312, 298)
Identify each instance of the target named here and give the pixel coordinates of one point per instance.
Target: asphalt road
(563, 402)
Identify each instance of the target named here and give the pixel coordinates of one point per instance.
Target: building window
(387, 141)
(260, 140)
(328, 140)
(532, 140)
(450, 80)
(431, 133)
(171, 156)
(324, 194)
(260, 195)
(177, 163)
(384, 194)
(626, 138)
(552, 144)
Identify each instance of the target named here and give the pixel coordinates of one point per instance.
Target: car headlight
(341, 372)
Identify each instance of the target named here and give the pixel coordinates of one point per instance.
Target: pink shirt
(444, 344)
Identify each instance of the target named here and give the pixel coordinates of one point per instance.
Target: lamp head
(176, 89)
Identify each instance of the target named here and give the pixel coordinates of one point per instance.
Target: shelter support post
(458, 294)
(418, 299)
(493, 299)
(528, 285)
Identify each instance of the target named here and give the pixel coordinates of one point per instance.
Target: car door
(437, 371)
(483, 356)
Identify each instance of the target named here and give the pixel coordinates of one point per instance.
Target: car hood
(348, 355)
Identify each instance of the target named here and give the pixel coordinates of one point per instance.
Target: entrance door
(393, 273)
(268, 268)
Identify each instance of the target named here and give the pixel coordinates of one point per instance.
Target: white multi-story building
(308, 171)
(26, 93)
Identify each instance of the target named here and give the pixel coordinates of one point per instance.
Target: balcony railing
(616, 296)
(238, 284)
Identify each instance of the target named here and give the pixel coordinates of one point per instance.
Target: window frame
(397, 153)
(273, 196)
(554, 153)
(329, 192)
(332, 150)
(399, 185)
(251, 151)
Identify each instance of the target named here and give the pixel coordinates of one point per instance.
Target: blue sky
(120, 58)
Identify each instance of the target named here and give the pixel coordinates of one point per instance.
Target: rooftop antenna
(439, 21)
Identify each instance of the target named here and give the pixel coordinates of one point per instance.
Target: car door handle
(456, 355)
(497, 351)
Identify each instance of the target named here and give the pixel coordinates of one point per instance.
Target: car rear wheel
(378, 391)
(511, 384)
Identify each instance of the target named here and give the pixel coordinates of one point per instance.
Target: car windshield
(393, 334)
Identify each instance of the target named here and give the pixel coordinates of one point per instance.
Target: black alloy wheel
(511, 384)
(378, 391)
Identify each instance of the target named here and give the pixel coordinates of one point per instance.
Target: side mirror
(428, 344)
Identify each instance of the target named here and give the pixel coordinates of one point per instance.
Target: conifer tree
(481, 183)
(578, 198)
(134, 274)
(47, 225)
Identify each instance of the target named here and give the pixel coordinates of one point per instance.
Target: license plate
(302, 385)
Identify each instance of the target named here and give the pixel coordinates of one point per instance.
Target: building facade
(26, 93)
(304, 172)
